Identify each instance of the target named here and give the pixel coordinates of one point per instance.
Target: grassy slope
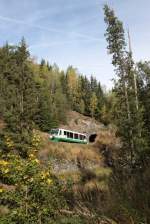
(90, 167)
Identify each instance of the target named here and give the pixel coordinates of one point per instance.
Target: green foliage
(93, 104)
(44, 117)
(143, 72)
(128, 112)
(36, 194)
(17, 95)
(37, 96)
(130, 179)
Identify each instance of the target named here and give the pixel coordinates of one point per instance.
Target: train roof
(69, 131)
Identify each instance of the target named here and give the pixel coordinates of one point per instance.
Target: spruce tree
(93, 104)
(20, 97)
(71, 78)
(143, 73)
(86, 93)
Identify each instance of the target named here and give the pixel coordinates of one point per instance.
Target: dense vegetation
(131, 168)
(37, 97)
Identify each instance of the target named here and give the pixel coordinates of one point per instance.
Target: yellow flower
(3, 162)
(9, 142)
(36, 160)
(49, 181)
(47, 173)
(36, 140)
(31, 156)
(1, 190)
(44, 175)
(6, 170)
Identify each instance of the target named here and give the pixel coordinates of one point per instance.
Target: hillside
(106, 181)
(86, 167)
(78, 122)
(67, 157)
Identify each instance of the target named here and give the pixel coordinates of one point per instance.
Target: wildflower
(1, 190)
(31, 156)
(9, 142)
(6, 170)
(49, 181)
(3, 162)
(47, 173)
(44, 175)
(36, 160)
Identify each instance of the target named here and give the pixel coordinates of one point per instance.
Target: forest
(37, 96)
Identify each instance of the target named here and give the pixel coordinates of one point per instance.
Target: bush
(29, 193)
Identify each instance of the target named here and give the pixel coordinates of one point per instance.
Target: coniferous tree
(20, 97)
(43, 63)
(143, 73)
(86, 93)
(93, 104)
(43, 118)
(129, 116)
(71, 77)
(41, 94)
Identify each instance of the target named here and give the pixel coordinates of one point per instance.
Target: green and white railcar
(62, 135)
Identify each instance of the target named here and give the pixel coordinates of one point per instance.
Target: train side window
(65, 133)
(80, 137)
(76, 136)
(71, 135)
(60, 132)
(68, 134)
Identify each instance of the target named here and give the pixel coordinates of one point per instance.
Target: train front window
(54, 131)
